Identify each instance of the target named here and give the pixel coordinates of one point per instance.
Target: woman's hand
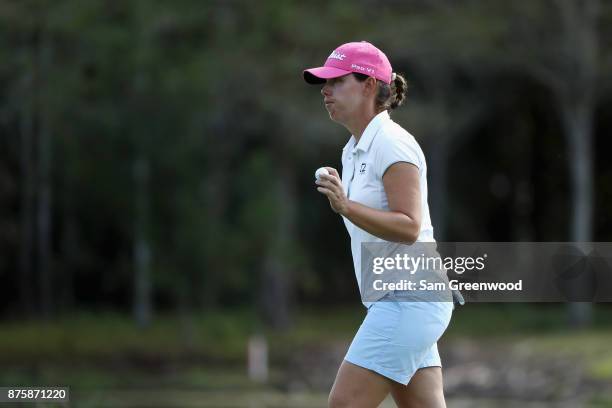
(331, 186)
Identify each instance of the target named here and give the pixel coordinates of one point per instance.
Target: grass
(200, 361)
(108, 350)
(222, 335)
(589, 346)
(519, 319)
(99, 336)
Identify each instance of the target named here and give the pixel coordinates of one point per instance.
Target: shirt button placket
(352, 158)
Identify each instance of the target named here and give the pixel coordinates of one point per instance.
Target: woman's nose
(325, 90)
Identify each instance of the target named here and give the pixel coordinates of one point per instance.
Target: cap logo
(337, 55)
(363, 69)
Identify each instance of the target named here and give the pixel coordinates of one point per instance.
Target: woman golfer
(382, 196)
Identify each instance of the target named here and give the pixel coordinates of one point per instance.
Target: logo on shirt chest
(362, 169)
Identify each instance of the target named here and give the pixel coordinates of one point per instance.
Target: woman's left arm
(402, 223)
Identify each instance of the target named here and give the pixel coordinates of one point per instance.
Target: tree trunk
(276, 286)
(142, 253)
(438, 189)
(26, 248)
(216, 203)
(581, 41)
(69, 248)
(45, 271)
(579, 133)
(578, 124)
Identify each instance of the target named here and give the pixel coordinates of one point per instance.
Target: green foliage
(210, 95)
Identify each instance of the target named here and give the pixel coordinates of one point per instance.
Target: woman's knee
(425, 389)
(420, 400)
(338, 399)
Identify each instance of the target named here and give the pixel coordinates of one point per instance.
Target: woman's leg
(358, 387)
(425, 390)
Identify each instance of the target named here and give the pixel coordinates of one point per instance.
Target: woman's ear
(370, 85)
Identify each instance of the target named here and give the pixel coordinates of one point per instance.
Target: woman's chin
(332, 115)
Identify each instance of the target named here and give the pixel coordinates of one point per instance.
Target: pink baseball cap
(360, 57)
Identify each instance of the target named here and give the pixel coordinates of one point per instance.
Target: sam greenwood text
(454, 284)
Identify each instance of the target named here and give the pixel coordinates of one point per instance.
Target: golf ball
(321, 171)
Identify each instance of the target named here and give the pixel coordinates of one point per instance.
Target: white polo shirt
(382, 144)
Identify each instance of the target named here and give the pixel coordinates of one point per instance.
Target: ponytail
(389, 96)
(399, 86)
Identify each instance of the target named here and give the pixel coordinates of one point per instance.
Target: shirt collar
(368, 134)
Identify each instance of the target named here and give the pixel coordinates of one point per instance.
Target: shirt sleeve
(394, 150)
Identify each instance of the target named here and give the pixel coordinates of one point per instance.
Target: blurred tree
(27, 189)
(561, 52)
(184, 131)
(44, 174)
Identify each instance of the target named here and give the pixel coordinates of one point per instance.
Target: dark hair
(391, 96)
